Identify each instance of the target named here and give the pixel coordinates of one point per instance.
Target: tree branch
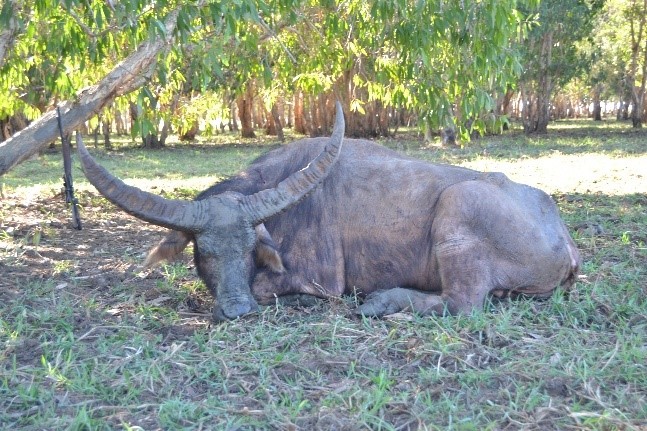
(124, 78)
(8, 35)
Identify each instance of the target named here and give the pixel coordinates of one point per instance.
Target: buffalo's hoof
(378, 304)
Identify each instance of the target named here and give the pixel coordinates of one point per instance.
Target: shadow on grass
(512, 146)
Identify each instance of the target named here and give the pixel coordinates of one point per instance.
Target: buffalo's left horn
(181, 215)
(266, 203)
(193, 216)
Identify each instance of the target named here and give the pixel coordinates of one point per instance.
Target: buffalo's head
(225, 227)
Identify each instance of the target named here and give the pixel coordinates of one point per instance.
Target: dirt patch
(582, 173)
(102, 260)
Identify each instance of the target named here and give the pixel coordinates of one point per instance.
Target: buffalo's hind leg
(385, 302)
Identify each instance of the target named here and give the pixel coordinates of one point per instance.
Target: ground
(90, 340)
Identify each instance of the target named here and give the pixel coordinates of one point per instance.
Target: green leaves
(443, 60)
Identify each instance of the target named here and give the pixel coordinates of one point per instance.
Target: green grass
(88, 341)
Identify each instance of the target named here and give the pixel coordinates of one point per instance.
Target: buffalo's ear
(267, 253)
(172, 245)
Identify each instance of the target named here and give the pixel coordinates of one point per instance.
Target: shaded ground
(42, 247)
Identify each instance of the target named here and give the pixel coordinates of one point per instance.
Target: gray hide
(404, 233)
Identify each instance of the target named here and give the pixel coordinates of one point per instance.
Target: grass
(88, 341)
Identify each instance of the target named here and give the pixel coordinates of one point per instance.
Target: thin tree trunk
(120, 126)
(233, 124)
(278, 126)
(95, 133)
(299, 119)
(597, 107)
(244, 103)
(12, 125)
(166, 128)
(127, 76)
(637, 112)
(528, 115)
(106, 135)
(638, 55)
(287, 116)
(545, 84)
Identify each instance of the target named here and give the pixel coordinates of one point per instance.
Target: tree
(620, 57)
(441, 60)
(127, 76)
(41, 70)
(551, 56)
(636, 15)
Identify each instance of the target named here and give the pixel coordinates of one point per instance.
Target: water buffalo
(400, 232)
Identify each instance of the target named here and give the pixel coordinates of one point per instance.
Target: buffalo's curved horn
(266, 203)
(188, 216)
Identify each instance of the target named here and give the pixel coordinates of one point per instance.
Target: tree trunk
(638, 63)
(311, 117)
(95, 134)
(637, 113)
(278, 126)
(127, 76)
(625, 110)
(157, 140)
(544, 87)
(5, 130)
(151, 141)
(190, 134)
(106, 135)
(503, 103)
(8, 34)
(287, 116)
(120, 125)
(259, 113)
(233, 124)
(244, 103)
(299, 120)
(528, 110)
(323, 116)
(536, 103)
(597, 107)
(12, 125)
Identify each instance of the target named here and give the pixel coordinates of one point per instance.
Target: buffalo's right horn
(266, 203)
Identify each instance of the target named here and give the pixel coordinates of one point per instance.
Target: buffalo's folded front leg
(385, 302)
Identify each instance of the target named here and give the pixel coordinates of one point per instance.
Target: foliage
(443, 60)
(550, 54)
(610, 62)
(568, 22)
